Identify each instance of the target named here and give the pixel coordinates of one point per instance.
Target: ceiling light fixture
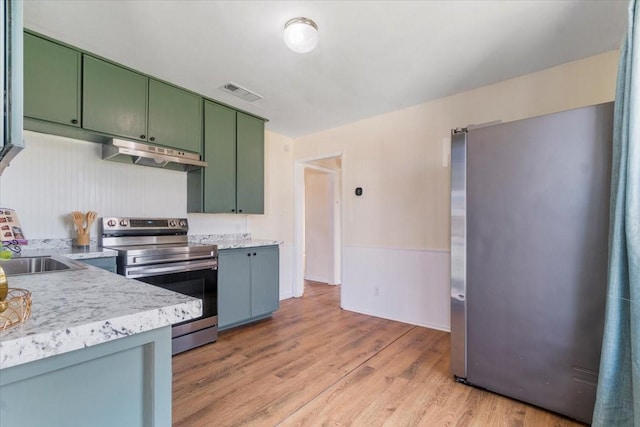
(301, 35)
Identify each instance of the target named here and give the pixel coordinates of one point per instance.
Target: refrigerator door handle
(458, 253)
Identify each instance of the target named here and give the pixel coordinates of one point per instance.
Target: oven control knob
(123, 222)
(111, 223)
(183, 223)
(172, 223)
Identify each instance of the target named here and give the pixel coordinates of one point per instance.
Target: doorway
(318, 218)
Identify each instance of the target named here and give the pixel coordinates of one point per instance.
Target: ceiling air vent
(240, 92)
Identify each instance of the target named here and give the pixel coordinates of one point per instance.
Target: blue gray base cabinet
(108, 263)
(248, 285)
(125, 382)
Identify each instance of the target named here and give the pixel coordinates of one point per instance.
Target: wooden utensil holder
(83, 240)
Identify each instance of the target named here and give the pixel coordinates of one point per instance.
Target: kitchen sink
(40, 264)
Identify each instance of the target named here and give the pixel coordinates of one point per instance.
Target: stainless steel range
(157, 251)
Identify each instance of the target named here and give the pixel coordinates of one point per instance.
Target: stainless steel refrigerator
(529, 238)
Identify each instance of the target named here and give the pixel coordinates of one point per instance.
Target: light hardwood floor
(315, 364)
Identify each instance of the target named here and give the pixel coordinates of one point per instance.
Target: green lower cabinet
(108, 263)
(248, 285)
(265, 289)
(51, 81)
(124, 382)
(234, 287)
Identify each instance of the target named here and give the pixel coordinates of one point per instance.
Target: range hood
(123, 151)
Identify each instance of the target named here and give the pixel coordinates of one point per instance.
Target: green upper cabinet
(175, 117)
(234, 149)
(220, 154)
(114, 100)
(120, 102)
(250, 164)
(51, 81)
(95, 99)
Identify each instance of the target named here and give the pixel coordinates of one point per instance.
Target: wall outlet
(376, 291)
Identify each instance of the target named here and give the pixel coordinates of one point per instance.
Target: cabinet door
(175, 117)
(114, 99)
(250, 164)
(234, 287)
(51, 81)
(219, 183)
(265, 279)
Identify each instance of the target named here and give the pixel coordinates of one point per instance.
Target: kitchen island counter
(77, 309)
(96, 351)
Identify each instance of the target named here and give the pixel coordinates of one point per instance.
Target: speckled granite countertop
(231, 241)
(76, 309)
(71, 252)
(65, 246)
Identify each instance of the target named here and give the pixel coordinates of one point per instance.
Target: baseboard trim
(437, 327)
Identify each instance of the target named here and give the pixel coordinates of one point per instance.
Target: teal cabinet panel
(219, 183)
(175, 117)
(125, 382)
(52, 81)
(114, 99)
(265, 275)
(234, 288)
(250, 164)
(108, 263)
(248, 285)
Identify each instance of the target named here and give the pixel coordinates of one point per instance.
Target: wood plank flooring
(314, 364)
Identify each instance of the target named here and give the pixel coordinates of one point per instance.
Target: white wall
(318, 226)
(53, 176)
(395, 235)
(277, 221)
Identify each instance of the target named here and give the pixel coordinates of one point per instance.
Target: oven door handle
(154, 259)
(178, 267)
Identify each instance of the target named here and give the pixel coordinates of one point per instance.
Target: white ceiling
(373, 56)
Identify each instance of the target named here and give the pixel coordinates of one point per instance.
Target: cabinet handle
(249, 254)
(74, 121)
(254, 254)
(142, 137)
(152, 139)
(233, 210)
(239, 210)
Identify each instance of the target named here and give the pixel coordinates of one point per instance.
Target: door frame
(299, 195)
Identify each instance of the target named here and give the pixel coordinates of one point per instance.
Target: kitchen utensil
(78, 219)
(91, 217)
